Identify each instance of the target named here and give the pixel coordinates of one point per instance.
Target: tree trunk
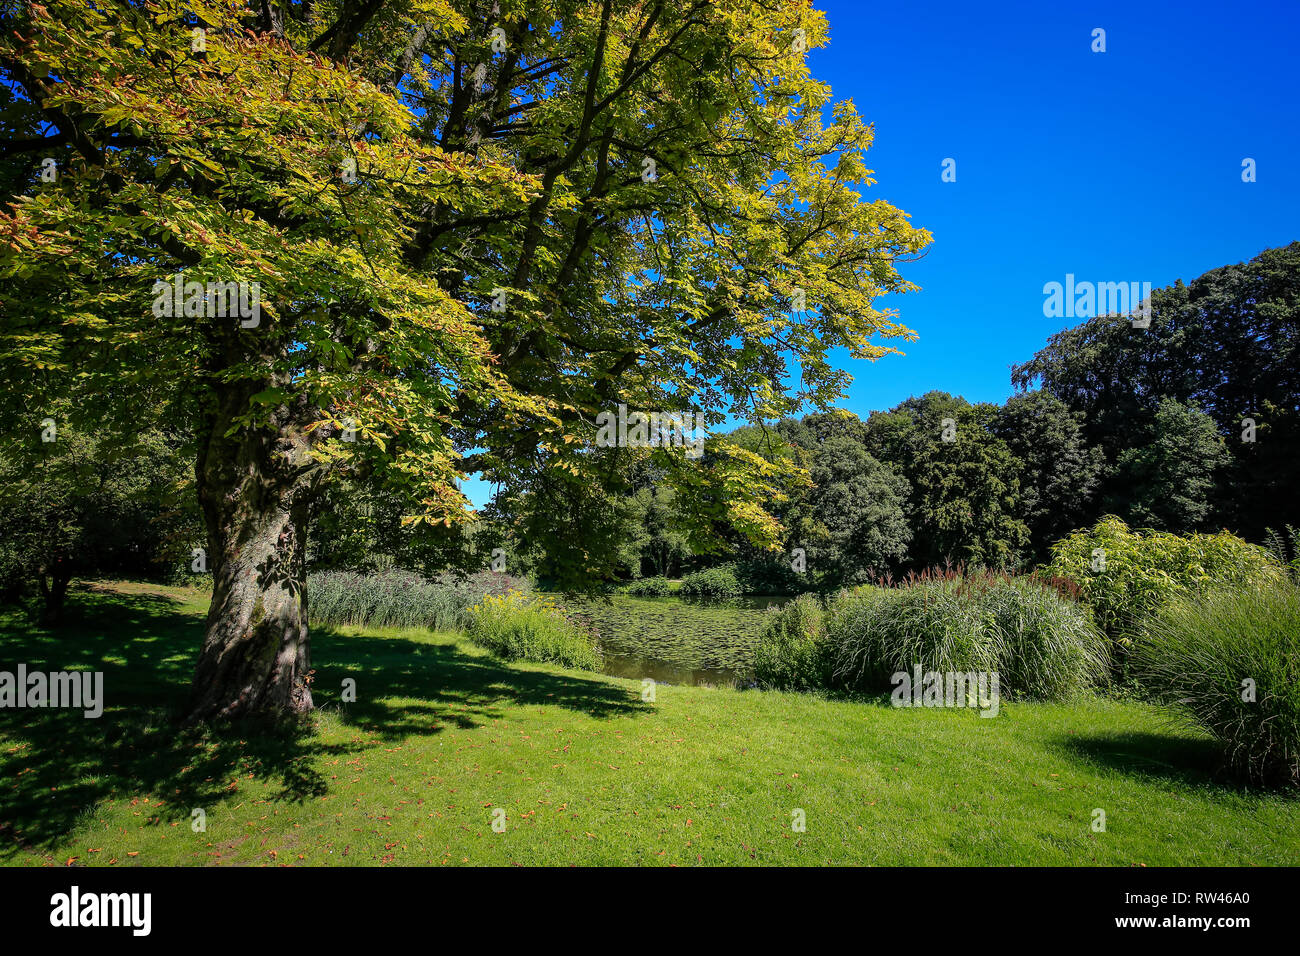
(54, 593)
(253, 488)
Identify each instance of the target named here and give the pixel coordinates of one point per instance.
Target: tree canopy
(458, 232)
(1227, 343)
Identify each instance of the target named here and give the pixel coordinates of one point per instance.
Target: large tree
(965, 486)
(1060, 474)
(1167, 481)
(852, 519)
(1228, 343)
(473, 227)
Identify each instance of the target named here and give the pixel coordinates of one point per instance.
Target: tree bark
(253, 489)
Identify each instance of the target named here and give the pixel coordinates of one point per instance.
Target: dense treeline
(1192, 424)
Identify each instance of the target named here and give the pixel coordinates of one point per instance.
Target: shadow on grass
(1189, 761)
(56, 765)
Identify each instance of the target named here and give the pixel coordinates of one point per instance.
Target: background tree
(964, 503)
(1060, 474)
(852, 520)
(1227, 343)
(76, 504)
(1167, 482)
(658, 549)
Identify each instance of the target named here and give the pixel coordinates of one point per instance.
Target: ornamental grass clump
(1228, 661)
(1041, 643)
(523, 627)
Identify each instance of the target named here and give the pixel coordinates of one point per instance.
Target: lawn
(586, 771)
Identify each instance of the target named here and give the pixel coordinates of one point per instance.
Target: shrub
(521, 627)
(649, 587)
(933, 624)
(1124, 576)
(792, 652)
(399, 598)
(180, 575)
(1047, 646)
(1042, 644)
(1200, 651)
(770, 576)
(719, 582)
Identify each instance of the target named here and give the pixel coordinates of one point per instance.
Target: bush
(519, 627)
(933, 623)
(399, 598)
(792, 652)
(719, 582)
(1200, 650)
(649, 587)
(1047, 647)
(1041, 644)
(770, 576)
(1143, 571)
(180, 575)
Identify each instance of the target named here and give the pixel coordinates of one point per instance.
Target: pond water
(673, 640)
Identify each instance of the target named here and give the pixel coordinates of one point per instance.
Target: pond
(674, 640)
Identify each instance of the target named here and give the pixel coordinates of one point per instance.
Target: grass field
(585, 770)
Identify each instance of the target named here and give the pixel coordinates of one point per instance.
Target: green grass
(586, 771)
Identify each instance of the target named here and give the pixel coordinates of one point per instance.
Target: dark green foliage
(792, 652)
(358, 528)
(1060, 473)
(965, 492)
(766, 574)
(852, 523)
(719, 582)
(81, 505)
(1228, 343)
(1168, 482)
(656, 547)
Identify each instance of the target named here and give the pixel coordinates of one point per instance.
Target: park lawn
(442, 735)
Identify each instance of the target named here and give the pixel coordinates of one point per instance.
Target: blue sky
(1122, 166)
(1115, 166)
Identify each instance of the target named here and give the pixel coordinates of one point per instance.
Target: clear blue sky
(1115, 166)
